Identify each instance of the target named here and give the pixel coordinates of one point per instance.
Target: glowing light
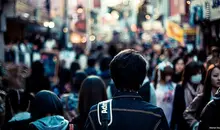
(26, 15)
(92, 38)
(51, 25)
(147, 17)
(115, 15)
(84, 40)
(188, 2)
(46, 24)
(80, 10)
(75, 38)
(65, 30)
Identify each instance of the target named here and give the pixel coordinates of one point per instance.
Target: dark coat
(130, 112)
(35, 85)
(210, 117)
(179, 107)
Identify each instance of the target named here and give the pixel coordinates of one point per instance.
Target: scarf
(190, 93)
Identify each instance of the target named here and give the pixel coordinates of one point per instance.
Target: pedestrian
(91, 70)
(17, 110)
(214, 58)
(92, 91)
(127, 110)
(185, 93)
(70, 99)
(178, 69)
(209, 118)
(165, 89)
(104, 69)
(73, 68)
(47, 112)
(193, 111)
(37, 81)
(147, 91)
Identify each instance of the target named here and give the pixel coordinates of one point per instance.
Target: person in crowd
(214, 58)
(47, 112)
(2, 107)
(17, 110)
(81, 58)
(193, 111)
(2, 94)
(178, 69)
(188, 58)
(37, 81)
(128, 71)
(73, 68)
(165, 89)
(166, 54)
(92, 91)
(209, 118)
(147, 91)
(112, 50)
(12, 79)
(111, 89)
(64, 79)
(71, 98)
(202, 58)
(185, 93)
(91, 70)
(104, 69)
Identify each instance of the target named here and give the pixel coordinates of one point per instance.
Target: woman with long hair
(185, 93)
(193, 111)
(92, 92)
(37, 80)
(70, 99)
(178, 69)
(165, 89)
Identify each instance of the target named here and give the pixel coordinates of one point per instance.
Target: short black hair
(128, 70)
(91, 62)
(104, 63)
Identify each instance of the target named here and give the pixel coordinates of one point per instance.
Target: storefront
(205, 14)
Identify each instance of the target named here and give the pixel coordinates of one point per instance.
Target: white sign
(214, 9)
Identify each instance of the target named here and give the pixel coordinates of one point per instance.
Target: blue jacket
(130, 112)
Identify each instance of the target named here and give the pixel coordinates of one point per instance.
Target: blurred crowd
(183, 83)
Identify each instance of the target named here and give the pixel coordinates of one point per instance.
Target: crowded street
(109, 65)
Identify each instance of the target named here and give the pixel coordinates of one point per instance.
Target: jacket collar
(217, 95)
(119, 95)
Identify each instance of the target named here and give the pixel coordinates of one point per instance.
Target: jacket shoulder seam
(131, 110)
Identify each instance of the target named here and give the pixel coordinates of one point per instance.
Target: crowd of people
(116, 87)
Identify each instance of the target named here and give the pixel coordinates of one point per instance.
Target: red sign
(81, 25)
(97, 4)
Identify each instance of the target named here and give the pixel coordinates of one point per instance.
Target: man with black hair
(214, 58)
(127, 110)
(91, 70)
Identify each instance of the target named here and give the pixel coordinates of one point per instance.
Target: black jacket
(130, 112)
(179, 106)
(210, 117)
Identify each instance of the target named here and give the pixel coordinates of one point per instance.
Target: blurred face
(196, 78)
(215, 77)
(168, 78)
(215, 54)
(179, 66)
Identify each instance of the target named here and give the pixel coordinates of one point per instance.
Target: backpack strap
(104, 112)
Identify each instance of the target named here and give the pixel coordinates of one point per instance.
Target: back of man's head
(128, 70)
